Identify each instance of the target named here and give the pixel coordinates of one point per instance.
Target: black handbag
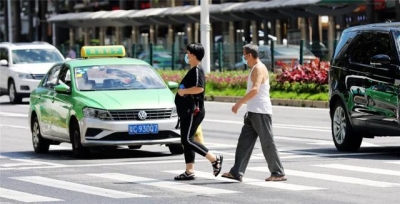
(185, 105)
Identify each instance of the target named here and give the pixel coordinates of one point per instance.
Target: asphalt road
(316, 172)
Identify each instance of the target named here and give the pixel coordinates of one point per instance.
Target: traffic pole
(10, 37)
(205, 34)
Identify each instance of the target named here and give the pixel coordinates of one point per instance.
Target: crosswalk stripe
(162, 184)
(77, 187)
(328, 177)
(254, 182)
(24, 197)
(360, 169)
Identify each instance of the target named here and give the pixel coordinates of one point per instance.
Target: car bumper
(26, 86)
(95, 132)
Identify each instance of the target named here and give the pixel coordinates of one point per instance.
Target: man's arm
(256, 78)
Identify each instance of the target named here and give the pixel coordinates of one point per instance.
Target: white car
(23, 65)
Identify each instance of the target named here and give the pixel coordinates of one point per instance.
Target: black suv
(364, 85)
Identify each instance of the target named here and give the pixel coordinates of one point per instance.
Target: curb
(274, 101)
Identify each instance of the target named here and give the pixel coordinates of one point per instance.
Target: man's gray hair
(251, 49)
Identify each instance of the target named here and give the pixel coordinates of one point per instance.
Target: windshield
(117, 77)
(29, 56)
(291, 51)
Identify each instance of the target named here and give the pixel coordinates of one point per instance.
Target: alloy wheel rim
(35, 134)
(339, 125)
(12, 92)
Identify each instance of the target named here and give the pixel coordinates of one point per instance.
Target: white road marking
(393, 162)
(77, 187)
(24, 197)
(18, 164)
(14, 126)
(328, 177)
(230, 104)
(180, 161)
(176, 186)
(254, 182)
(38, 162)
(18, 115)
(360, 169)
(285, 126)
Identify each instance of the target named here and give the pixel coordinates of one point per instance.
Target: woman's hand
(181, 92)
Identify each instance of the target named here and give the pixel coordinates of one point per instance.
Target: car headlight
(174, 112)
(96, 113)
(25, 76)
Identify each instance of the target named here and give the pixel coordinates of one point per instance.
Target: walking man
(257, 120)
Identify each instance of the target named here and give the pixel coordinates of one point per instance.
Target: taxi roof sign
(103, 51)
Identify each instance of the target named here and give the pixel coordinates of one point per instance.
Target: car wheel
(40, 145)
(135, 146)
(176, 149)
(343, 134)
(78, 150)
(12, 93)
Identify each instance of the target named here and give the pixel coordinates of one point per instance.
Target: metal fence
(224, 57)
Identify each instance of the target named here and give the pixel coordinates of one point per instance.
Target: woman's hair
(196, 49)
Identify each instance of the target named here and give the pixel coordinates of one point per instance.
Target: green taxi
(103, 100)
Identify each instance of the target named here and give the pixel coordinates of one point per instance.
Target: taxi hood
(128, 99)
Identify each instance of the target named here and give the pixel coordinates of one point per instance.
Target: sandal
(230, 176)
(276, 178)
(217, 165)
(185, 176)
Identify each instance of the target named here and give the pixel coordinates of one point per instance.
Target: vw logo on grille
(142, 115)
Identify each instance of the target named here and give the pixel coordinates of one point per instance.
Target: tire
(176, 149)
(78, 150)
(343, 135)
(40, 145)
(135, 146)
(12, 93)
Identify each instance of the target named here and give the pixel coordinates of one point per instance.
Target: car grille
(152, 114)
(37, 76)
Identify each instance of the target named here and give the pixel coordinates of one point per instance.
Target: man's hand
(181, 92)
(236, 107)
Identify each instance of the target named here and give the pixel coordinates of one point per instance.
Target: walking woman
(189, 102)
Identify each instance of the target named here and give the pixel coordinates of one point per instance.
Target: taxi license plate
(143, 129)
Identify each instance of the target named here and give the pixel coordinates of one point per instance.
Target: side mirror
(172, 85)
(379, 60)
(62, 88)
(3, 63)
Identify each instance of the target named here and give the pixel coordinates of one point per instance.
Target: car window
(4, 54)
(117, 77)
(29, 56)
(51, 78)
(363, 47)
(65, 76)
(343, 44)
